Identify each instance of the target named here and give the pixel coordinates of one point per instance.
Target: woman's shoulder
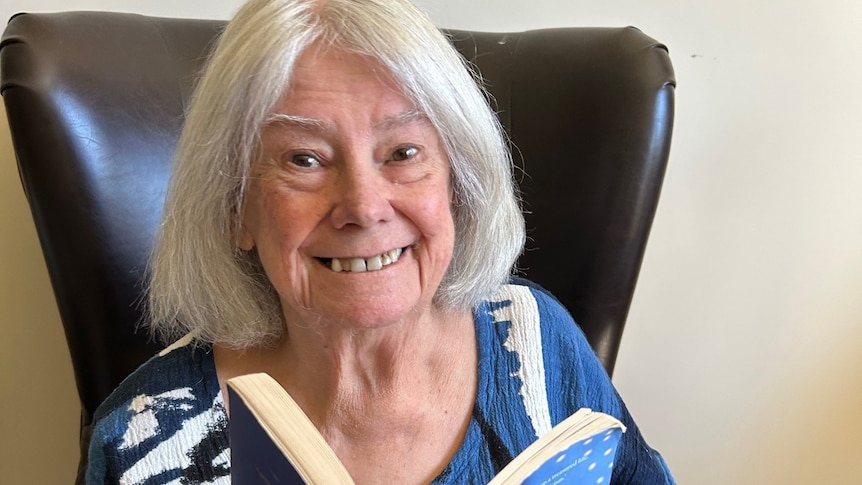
(524, 320)
(173, 373)
(547, 303)
(530, 306)
(171, 405)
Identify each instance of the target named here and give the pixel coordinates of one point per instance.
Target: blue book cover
(589, 461)
(578, 451)
(255, 458)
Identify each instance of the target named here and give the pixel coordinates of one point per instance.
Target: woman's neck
(333, 371)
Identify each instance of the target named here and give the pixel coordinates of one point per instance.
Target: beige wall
(38, 400)
(742, 357)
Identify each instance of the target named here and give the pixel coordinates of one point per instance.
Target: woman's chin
(365, 310)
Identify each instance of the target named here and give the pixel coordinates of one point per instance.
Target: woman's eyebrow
(404, 118)
(301, 122)
(388, 123)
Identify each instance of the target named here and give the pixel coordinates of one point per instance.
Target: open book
(273, 441)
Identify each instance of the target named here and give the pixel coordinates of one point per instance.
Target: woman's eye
(304, 160)
(404, 153)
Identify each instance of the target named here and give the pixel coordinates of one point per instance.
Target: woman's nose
(362, 197)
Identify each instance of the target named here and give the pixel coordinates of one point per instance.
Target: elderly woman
(342, 216)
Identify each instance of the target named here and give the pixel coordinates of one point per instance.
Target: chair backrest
(95, 103)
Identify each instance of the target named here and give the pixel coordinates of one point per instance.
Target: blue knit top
(166, 423)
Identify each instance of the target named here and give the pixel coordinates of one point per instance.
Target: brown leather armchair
(95, 103)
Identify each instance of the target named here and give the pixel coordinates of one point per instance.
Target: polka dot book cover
(578, 451)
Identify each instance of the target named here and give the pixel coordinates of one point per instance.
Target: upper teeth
(360, 265)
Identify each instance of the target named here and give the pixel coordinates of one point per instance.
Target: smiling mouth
(363, 265)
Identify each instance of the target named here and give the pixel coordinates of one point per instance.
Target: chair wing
(590, 115)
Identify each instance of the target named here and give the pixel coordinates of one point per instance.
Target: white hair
(200, 282)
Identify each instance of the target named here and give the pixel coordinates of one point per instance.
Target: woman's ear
(244, 238)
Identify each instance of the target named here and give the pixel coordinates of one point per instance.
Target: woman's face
(349, 206)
